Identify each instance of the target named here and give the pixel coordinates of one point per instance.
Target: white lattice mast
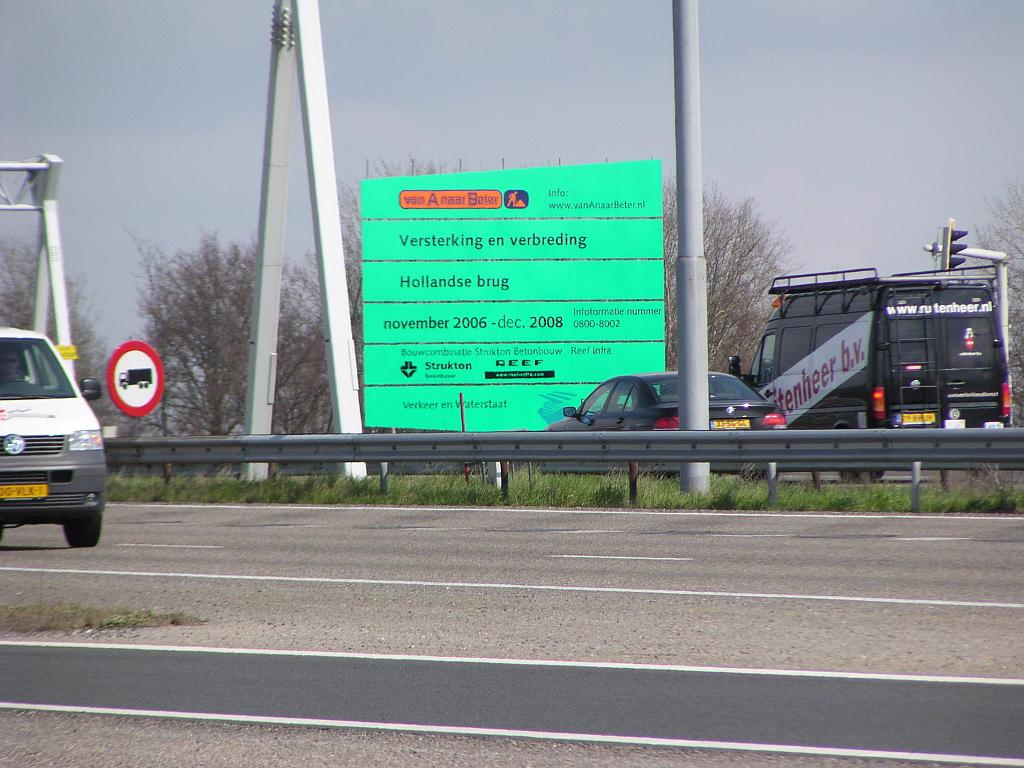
(31, 186)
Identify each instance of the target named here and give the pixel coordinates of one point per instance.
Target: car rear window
(665, 390)
(722, 388)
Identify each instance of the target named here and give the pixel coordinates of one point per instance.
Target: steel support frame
(297, 49)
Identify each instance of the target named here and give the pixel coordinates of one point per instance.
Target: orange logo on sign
(450, 198)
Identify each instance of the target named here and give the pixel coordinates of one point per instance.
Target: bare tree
(20, 259)
(18, 282)
(1006, 233)
(197, 308)
(352, 239)
(744, 252)
(302, 403)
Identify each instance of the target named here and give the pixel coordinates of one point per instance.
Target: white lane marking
(435, 528)
(932, 538)
(175, 546)
(767, 672)
(509, 733)
(538, 587)
(589, 530)
(621, 557)
(864, 517)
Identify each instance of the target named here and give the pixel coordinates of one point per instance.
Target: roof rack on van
(816, 281)
(854, 278)
(985, 272)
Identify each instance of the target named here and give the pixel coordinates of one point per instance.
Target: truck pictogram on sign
(141, 377)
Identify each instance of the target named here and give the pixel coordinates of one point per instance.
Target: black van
(850, 349)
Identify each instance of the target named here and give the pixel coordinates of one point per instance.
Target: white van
(52, 466)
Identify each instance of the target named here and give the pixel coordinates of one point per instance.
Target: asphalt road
(880, 595)
(648, 704)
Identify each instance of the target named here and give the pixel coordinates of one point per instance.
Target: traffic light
(950, 246)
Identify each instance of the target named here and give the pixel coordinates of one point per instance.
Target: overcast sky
(858, 126)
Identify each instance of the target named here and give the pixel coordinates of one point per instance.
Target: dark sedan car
(651, 401)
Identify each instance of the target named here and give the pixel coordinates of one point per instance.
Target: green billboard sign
(492, 300)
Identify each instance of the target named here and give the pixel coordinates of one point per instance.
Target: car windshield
(28, 369)
(719, 388)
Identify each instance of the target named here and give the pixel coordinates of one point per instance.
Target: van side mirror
(569, 412)
(734, 365)
(91, 389)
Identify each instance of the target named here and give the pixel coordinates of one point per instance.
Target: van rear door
(911, 358)
(972, 372)
(944, 365)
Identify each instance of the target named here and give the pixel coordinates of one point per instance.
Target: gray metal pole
(41, 307)
(1000, 259)
(323, 193)
(691, 267)
(55, 254)
(259, 398)
(1003, 287)
(915, 486)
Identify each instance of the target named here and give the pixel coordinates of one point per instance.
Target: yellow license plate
(730, 423)
(918, 418)
(37, 491)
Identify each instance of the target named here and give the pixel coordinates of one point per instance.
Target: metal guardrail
(804, 450)
(838, 449)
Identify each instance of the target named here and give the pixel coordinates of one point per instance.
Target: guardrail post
(634, 473)
(503, 467)
(773, 483)
(915, 486)
(383, 477)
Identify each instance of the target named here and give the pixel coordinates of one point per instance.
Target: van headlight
(85, 440)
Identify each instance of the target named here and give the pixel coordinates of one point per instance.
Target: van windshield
(29, 369)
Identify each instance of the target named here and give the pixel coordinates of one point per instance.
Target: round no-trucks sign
(135, 378)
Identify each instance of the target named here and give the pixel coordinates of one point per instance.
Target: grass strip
(68, 617)
(971, 493)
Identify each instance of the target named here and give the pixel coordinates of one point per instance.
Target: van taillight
(775, 419)
(878, 403)
(667, 422)
(1007, 401)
